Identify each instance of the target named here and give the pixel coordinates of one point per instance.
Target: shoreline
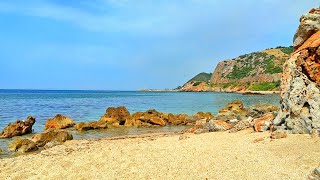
(216, 155)
(236, 92)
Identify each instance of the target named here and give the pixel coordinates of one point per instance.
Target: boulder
(241, 125)
(51, 135)
(23, 145)
(202, 115)
(219, 125)
(18, 128)
(201, 126)
(259, 110)
(82, 126)
(157, 121)
(59, 122)
(116, 114)
(263, 123)
(300, 92)
(1, 151)
(233, 110)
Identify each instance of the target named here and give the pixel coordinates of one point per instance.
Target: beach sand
(218, 155)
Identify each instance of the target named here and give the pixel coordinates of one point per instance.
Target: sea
(90, 105)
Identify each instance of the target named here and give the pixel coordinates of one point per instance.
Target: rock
(82, 126)
(157, 121)
(118, 114)
(309, 25)
(23, 145)
(18, 128)
(241, 125)
(51, 135)
(233, 110)
(202, 115)
(59, 122)
(258, 140)
(315, 133)
(317, 171)
(1, 151)
(200, 126)
(219, 125)
(278, 135)
(263, 123)
(259, 110)
(300, 93)
(183, 137)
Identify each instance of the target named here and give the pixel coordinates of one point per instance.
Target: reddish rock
(118, 114)
(202, 115)
(263, 123)
(300, 83)
(219, 125)
(18, 128)
(59, 122)
(258, 140)
(157, 121)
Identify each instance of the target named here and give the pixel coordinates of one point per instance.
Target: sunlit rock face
(300, 86)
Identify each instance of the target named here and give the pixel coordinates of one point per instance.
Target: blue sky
(132, 44)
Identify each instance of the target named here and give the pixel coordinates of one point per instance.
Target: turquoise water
(91, 105)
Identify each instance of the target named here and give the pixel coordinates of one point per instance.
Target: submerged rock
(23, 145)
(51, 136)
(82, 126)
(59, 122)
(300, 87)
(18, 128)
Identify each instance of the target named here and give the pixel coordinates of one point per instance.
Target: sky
(134, 44)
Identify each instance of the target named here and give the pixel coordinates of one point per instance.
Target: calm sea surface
(91, 105)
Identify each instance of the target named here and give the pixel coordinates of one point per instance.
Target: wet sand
(219, 155)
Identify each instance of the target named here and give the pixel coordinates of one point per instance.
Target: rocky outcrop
(117, 115)
(263, 123)
(300, 87)
(59, 122)
(309, 25)
(51, 135)
(23, 145)
(82, 126)
(235, 117)
(18, 128)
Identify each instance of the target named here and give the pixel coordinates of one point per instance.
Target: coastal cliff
(257, 71)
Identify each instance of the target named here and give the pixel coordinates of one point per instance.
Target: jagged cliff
(300, 85)
(257, 71)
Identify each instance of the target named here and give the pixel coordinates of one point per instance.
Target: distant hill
(257, 71)
(202, 77)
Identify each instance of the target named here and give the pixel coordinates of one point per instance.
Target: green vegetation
(203, 77)
(270, 66)
(287, 50)
(241, 72)
(197, 83)
(265, 86)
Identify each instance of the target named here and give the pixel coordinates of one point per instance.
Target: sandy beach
(219, 155)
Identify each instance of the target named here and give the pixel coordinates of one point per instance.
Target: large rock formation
(59, 122)
(300, 87)
(18, 128)
(51, 135)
